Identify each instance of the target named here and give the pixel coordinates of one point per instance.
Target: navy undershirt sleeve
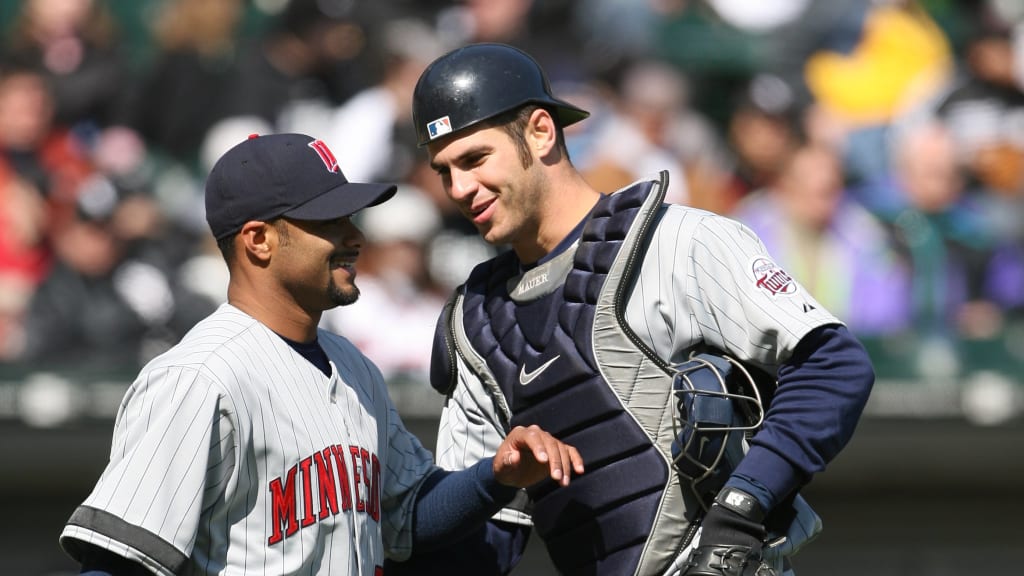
(495, 548)
(102, 562)
(451, 505)
(822, 391)
(451, 533)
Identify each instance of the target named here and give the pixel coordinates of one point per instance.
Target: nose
(462, 184)
(351, 235)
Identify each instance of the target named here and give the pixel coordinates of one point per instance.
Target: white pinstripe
(206, 428)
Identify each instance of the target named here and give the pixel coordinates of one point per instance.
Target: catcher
(586, 327)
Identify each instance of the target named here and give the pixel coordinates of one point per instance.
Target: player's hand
(529, 455)
(731, 539)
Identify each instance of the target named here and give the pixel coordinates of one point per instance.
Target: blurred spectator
(964, 277)
(762, 134)
(32, 145)
(718, 57)
(24, 250)
(899, 59)
(185, 90)
(851, 76)
(984, 110)
(833, 246)
(40, 168)
(109, 300)
(653, 128)
(536, 27)
(308, 60)
(611, 32)
(372, 131)
(396, 289)
(76, 43)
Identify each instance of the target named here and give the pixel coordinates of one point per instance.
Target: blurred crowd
(876, 146)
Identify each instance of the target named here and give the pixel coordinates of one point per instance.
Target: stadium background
(929, 485)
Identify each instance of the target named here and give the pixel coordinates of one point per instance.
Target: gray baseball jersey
(232, 454)
(704, 278)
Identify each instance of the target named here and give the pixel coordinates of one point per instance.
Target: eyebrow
(475, 150)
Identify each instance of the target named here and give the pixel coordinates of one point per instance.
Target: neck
(569, 200)
(279, 314)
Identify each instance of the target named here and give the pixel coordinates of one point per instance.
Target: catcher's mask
(480, 81)
(717, 403)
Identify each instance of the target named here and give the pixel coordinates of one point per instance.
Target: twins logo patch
(320, 147)
(439, 127)
(770, 277)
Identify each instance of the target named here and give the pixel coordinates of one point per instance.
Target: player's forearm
(451, 505)
(822, 392)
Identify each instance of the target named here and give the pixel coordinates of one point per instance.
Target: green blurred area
(134, 25)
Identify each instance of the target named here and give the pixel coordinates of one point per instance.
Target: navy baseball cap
(291, 175)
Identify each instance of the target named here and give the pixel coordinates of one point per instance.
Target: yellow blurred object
(902, 57)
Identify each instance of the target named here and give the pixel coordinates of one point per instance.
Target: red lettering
(343, 477)
(325, 481)
(374, 507)
(282, 507)
(356, 480)
(365, 489)
(307, 492)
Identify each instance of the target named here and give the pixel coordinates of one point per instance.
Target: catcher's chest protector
(555, 341)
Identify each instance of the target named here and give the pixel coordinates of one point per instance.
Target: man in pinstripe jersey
(262, 445)
(577, 329)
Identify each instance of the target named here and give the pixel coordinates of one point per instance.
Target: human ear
(258, 239)
(541, 133)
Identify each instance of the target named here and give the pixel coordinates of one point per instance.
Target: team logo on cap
(439, 127)
(325, 155)
(770, 277)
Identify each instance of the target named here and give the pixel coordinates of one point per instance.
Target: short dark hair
(226, 245)
(514, 124)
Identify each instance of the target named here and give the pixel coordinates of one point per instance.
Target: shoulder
(339, 347)
(218, 347)
(677, 222)
(352, 364)
(219, 330)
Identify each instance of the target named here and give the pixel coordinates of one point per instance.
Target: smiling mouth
(345, 262)
(475, 213)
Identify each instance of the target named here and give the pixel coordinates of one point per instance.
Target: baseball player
(578, 327)
(262, 445)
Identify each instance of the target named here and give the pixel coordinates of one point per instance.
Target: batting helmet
(717, 402)
(477, 82)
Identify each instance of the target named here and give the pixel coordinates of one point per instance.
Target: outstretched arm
(452, 505)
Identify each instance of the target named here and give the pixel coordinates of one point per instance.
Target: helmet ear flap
(716, 405)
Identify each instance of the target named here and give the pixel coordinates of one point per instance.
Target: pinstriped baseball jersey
(703, 278)
(232, 454)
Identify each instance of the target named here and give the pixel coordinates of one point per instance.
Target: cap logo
(326, 156)
(439, 127)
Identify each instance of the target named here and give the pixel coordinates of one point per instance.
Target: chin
(343, 296)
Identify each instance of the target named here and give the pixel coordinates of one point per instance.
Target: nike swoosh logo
(700, 449)
(527, 377)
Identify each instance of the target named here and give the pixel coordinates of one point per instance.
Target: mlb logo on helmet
(439, 127)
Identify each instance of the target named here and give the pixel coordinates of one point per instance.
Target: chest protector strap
(553, 346)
